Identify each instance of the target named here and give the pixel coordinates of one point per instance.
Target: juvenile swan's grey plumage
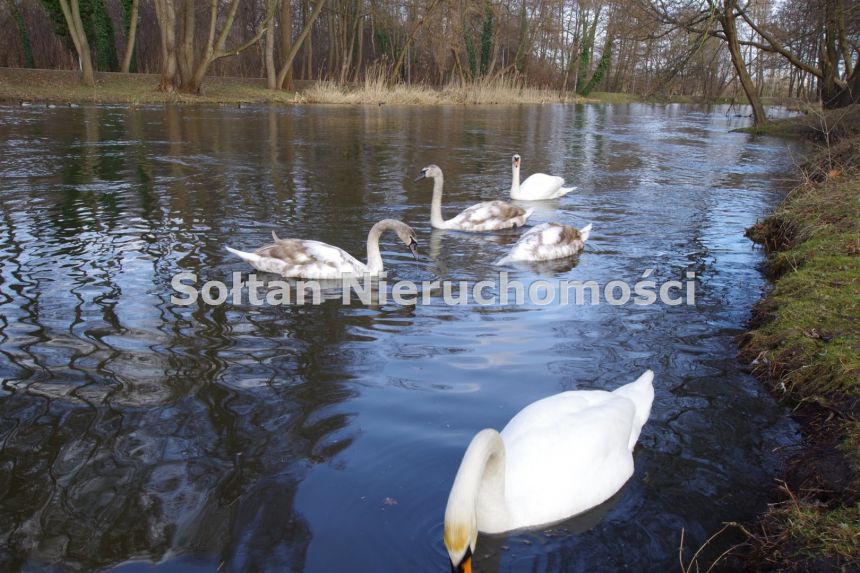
(487, 216)
(548, 241)
(537, 187)
(315, 260)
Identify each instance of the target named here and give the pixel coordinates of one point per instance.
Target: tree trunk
(72, 14)
(26, 47)
(356, 71)
(131, 37)
(271, 73)
(458, 66)
(522, 48)
(398, 64)
(186, 47)
(165, 12)
(585, 57)
(828, 90)
(851, 93)
(347, 60)
(602, 67)
(215, 48)
(727, 20)
(288, 62)
(286, 42)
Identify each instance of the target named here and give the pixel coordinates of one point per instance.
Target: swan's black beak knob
(413, 248)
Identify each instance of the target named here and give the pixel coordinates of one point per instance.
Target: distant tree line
(710, 48)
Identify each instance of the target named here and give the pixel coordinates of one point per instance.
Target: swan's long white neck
(515, 184)
(478, 494)
(436, 220)
(374, 258)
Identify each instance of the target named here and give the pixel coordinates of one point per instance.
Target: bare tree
(166, 14)
(131, 37)
(287, 65)
(727, 20)
(192, 66)
(72, 14)
(394, 74)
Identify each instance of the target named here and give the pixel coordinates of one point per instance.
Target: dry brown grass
(374, 90)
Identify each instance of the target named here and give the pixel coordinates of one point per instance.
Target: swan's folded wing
(312, 259)
(546, 241)
(556, 234)
(542, 182)
(567, 456)
(552, 410)
(482, 213)
(641, 392)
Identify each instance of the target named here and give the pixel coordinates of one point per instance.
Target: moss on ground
(805, 341)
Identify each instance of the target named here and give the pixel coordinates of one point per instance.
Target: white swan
(556, 458)
(547, 241)
(315, 260)
(487, 216)
(538, 186)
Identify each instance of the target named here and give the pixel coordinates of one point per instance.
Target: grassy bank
(62, 86)
(805, 342)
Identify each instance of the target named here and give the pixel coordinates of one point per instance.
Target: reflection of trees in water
(129, 427)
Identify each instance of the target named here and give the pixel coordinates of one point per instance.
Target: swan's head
(407, 235)
(404, 231)
(461, 534)
(515, 161)
(429, 171)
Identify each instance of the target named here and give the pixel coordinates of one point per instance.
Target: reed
(375, 90)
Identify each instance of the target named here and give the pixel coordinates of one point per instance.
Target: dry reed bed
(376, 91)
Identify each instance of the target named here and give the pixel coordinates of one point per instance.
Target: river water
(141, 435)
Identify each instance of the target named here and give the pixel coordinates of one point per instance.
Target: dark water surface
(140, 435)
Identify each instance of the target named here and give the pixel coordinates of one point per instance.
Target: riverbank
(804, 341)
(64, 87)
(19, 85)
(60, 87)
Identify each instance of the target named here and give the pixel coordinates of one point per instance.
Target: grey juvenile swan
(302, 258)
(487, 216)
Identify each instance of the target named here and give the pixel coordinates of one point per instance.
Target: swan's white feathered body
(548, 241)
(303, 258)
(558, 457)
(487, 216)
(570, 452)
(536, 187)
(308, 259)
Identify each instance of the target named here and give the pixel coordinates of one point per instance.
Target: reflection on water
(140, 435)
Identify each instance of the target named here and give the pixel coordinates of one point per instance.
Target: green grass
(813, 533)
(806, 343)
(613, 97)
